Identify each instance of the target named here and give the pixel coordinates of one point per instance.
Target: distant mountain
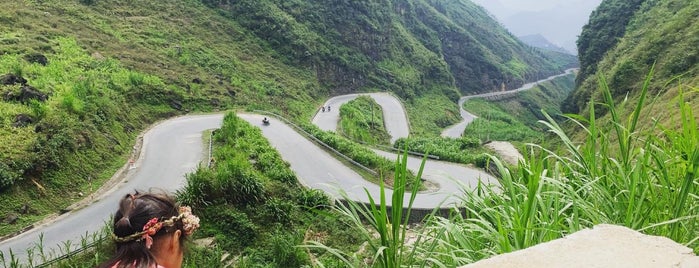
(559, 22)
(538, 40)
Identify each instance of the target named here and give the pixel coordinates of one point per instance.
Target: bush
(8, 175)
(233, 229)
(466, 150)
(362, 120)
(238, 185)
(276, 210)
(313, 199)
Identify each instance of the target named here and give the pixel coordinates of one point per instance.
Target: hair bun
(123, 227)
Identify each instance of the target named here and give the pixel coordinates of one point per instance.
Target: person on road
(149, 230)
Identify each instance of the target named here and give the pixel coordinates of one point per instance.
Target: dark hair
(135, 210)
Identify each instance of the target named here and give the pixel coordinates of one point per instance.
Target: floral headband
(190, 223)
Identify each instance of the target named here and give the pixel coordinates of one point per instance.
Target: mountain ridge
(640, 36)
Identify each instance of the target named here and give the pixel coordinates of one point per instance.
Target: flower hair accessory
(149, 230)
(190, 223)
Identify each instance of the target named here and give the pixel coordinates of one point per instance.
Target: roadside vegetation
(383, 167)
(254, 206)
(618, 173)
(528, 106)
(362, 120)
(516, 119)
(94, 86)
(80, 82)
(463, 150)
(429, 115)
(494, 124)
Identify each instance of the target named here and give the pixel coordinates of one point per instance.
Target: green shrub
(355, 151)
(276, 210)
(8, 175)
(284, 250)
(495, 124)
(466, 150)
(232, 228)
(362, 120)
(313, 199)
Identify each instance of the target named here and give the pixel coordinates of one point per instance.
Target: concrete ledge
(602, 246)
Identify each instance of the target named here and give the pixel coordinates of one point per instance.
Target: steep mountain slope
(409, 47)
(606, 26)
(661, 32)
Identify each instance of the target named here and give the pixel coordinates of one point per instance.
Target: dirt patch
(506, 151)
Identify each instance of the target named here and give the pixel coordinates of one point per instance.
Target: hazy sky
(559, 21)
(531, 5)
(528, 5)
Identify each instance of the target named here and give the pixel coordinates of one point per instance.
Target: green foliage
(357, 152)
(386, 218)
(607, 24)
(362, 120)
(619, 174)
(495, 124)
(313, 199)
(75, 138)
(464, 150)
(406, 47)
(233, 229)
(623, 40)
(88, 2)
(432, 113)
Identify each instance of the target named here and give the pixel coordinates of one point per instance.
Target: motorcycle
(265, 121)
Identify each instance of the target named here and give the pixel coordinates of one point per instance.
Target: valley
(98, 98)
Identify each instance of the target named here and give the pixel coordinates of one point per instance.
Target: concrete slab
(602, 246)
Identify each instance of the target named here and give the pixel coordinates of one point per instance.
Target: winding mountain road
(450, 177)
(316, 168)
(456, 130)
(174, 147)
(394, 115)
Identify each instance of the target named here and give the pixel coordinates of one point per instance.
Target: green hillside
(664, 33)
(408, 47)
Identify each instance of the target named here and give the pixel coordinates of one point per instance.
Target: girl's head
(150, 229)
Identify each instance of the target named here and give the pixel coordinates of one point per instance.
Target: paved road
(316, 168)
(170, 150)
(394, 115)
(449, 176)
(456, 130)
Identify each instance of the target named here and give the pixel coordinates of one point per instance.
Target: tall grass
(643, 179)
(387, 219)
